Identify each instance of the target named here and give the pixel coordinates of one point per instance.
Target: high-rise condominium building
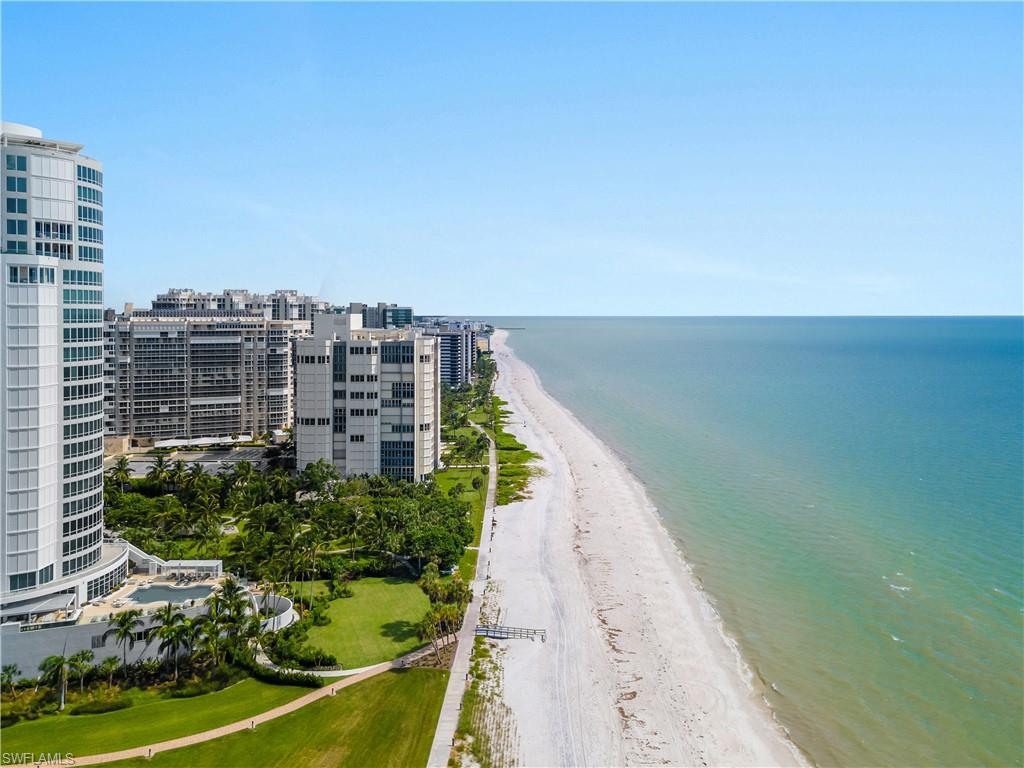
(457, 352)
(367, 400)
(279, 305)
(198, 372)
(51, 379)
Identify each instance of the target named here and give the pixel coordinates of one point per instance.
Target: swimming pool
(164, 594)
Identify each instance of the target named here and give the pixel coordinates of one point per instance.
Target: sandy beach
(635, 669)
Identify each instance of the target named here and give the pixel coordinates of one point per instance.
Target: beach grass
(150, 719)
(376, 624)
(387, 720)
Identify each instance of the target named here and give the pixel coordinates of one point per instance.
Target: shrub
(101, 706)
(9, 719)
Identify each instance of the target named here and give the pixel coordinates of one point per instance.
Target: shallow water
(850, 492)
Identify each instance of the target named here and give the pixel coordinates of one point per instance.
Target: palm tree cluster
(288, 529)
(448, 601)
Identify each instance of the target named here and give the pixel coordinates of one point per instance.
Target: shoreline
(638, 666)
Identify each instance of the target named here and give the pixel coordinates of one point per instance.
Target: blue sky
(546, 159)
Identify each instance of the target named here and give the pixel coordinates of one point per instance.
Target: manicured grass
(467, 565)
(375, 624)
(388, 720)
(149, 720)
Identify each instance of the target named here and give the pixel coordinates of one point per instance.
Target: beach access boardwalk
(448, 721)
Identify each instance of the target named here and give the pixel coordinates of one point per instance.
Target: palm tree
(123, 627)
(281, 485)
(55, 672)
(11, 672)
(108, 667)
(120, 473)
(173, 637)
(178, 474)
(81, 663)
(159, 472)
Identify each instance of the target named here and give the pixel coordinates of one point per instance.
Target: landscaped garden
(387, 720)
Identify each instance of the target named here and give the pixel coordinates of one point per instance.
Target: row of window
(83, 334)
(79, 410)
(83, 466)
(83, 315)
(27, 580)
(75, 372)
(88, 195)
(82, 542)
(88, 213)
(90, 175)
(82, 523)
(403, 390)
(55, 250)
(54, 230)
(362, 411)
(80, 563)
(71, 450)
(76, 487)
(309, 422)
(17, 246)
(77, 354)
(359, 377)
(82, 296)
(362, 351)
(83, 429)
(396, 353)
(314, 359)
(90, 253)
(104, 584)
(360, 395)
(77, 506)
(31, 275)
(82, 277)
(90, 234)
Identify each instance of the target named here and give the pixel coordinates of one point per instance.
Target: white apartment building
(198, 372)
(279, 305)
(51, 381)
(368, 400)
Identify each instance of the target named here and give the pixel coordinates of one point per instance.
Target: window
(87, 213)
(82, 277)
(30, 275)
(17, 184)
(17, 205)
(17, 227)
(53, 230)
(90, 253)
(21, 580)
(89, 195)
(17, 163)
(357, 438)
(17, 246)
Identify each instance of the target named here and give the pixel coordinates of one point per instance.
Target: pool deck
(127, 597)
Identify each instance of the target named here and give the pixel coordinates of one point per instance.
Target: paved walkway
(444, 735)
(149, 750)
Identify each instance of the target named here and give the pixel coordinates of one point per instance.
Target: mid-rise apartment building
(51, 379)
(383, 315)
(368, 400)
(198, 372)
(279, 305)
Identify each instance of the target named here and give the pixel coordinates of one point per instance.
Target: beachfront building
(457, 352)
(198, 372)
(367, 400)
(54, 558)
(282, 304)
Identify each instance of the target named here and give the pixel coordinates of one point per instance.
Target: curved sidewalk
(148, 750)
(448, 721)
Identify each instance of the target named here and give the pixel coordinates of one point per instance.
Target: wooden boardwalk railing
(499, 632)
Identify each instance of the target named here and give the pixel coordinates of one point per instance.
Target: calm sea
(850, 493)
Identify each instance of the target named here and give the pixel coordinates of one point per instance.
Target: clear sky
(546, 159)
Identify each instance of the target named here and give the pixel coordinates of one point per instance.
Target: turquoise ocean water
(850, 493)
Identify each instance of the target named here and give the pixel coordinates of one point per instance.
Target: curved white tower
(51, 380)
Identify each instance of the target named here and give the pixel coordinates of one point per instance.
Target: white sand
(635, 669)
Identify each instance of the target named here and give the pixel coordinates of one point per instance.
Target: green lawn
(148, 721)
(388, 720)
(375, 624)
